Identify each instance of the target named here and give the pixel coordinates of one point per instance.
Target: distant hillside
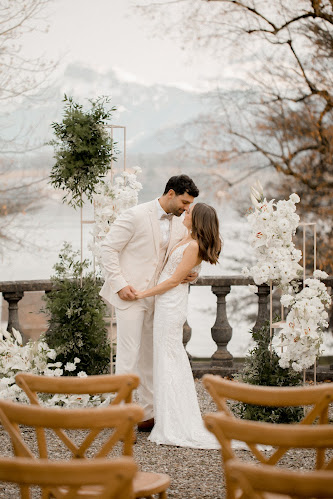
(146, 111)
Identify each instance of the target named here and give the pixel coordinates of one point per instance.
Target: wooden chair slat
(263, 480)
(65, 480)
(71, 384)
(266, 395)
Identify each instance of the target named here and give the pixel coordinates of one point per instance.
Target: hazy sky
(108, 34)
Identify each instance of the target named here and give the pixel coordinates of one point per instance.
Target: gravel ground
(195, 473)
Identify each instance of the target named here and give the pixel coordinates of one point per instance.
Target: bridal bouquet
(302, 335)
(110, 200)
(273, 227)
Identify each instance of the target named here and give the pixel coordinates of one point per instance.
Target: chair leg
(162, 495)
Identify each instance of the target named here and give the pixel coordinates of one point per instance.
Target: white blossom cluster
(302, 335)
(110, 200)
(34, 357)
(273, 227)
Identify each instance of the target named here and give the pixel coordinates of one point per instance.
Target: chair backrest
(282, 436)
(120, 384)
(111, 479)
(120, 419)
(254, 482)
(320, 396)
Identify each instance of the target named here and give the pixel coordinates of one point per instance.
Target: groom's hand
(190, 277)
(127, 293)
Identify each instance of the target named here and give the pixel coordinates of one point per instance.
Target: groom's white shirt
(131, 250)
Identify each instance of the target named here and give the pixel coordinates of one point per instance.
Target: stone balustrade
(221, 332)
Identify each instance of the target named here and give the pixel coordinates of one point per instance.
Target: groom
(133, 255)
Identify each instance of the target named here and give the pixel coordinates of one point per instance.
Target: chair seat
(146, 483)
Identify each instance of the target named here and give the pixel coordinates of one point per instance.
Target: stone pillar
(263, 311)
(221, 331)
(13, 297)
(48, 332)
(187, 333)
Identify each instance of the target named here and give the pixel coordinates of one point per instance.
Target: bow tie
(166, 216)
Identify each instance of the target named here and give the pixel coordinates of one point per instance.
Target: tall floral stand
(111, 319)
(279, 325)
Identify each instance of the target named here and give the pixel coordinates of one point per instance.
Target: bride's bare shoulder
(193, 246)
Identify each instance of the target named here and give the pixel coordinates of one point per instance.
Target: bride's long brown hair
(205, 229)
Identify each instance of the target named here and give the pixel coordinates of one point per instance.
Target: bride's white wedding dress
(177, 415)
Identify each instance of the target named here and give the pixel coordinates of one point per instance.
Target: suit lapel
(155, 226)
(172, 239)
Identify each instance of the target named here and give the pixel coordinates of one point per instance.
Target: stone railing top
(224, 280)
(37, 285)
(238, 280)
(213, 280)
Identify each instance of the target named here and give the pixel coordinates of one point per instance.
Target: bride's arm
(190, 259)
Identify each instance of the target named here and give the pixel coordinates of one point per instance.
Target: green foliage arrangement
(77, 326)
(83, 149)
(260, 368)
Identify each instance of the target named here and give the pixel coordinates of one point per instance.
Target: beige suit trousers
(135, 348)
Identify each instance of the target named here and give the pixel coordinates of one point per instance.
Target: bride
(177, 415)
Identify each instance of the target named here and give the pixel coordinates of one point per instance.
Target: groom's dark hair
(181, 184)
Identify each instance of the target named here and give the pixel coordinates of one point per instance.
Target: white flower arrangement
(273, 227)
(34, 357)
(110, 200)
(302, 335)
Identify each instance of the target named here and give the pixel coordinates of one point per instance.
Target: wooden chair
(282, 437)
(317, 398)
(258, 482)
(60, 480)
(119, 418)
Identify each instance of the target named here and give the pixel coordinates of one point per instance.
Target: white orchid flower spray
(273, 225)
(302, 335)
(111, 199)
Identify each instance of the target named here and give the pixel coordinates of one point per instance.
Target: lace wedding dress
(177, 415)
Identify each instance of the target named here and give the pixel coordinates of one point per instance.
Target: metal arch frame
(278, 325)
(87, 222)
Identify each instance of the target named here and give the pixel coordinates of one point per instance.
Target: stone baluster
(13, 297)
(263, 311)
(187, 333)
(221, 331)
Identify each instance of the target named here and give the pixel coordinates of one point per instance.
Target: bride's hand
(190, 277)
(138, 295)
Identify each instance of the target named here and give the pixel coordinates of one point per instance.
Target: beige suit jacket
(130, 251)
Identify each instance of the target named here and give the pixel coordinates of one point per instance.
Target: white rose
(294, 198)
(287, 300)
(320, 274)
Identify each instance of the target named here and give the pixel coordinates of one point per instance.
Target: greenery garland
(263, 369)
(83, 149)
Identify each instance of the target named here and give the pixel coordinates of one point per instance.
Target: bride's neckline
(178, 246)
